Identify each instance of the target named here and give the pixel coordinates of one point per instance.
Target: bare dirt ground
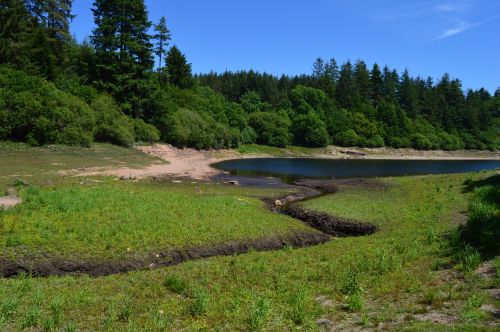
(189, 163)
(408, 154)
(195, 164)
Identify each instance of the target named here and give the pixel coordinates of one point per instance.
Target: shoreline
(196, 164)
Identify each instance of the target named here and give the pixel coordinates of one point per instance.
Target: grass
(385, 279)
(105, 220)
(39, 165)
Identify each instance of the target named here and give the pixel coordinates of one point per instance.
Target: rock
(491, 310)
(278, 203)
(324, 301)
(234, 182)
(353, 153)
(11, 192)
(123, 178)
(325, 323)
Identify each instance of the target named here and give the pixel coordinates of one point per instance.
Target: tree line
(56, 90)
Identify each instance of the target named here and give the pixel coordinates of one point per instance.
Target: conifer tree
(346, 90)
(178, 69)
(123, 50)
(362, 81)
(377, 85)
(162, 37)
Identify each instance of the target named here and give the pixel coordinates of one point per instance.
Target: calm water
(333, 168)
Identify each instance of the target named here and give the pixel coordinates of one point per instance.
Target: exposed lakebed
(294, 168)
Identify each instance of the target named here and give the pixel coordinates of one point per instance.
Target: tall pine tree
(123, 50)
(161, 38)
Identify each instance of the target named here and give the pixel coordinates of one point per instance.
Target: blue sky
(285, 36)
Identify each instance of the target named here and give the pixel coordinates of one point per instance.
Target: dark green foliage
(123, 50)
(35, 111)
(272, 128)
(309, 130)
(348, 106)
(112, 125)
(187, 128)
(483, 226)
(178, 69)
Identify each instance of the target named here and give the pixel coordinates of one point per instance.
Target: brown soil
(328, 224)
(62, 266)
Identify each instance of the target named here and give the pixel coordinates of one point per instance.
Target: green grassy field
(114, 219)
(400, 278)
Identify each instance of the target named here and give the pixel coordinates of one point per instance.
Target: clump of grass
(302, 308)
(352, 284)
(354, 302)
(433, 297)
(200, 303)
(472, 311)
(469, 259)
(175, 284)
(56, 308)
(124, 311)
(496, 264)
(8, 307)
(483, 226)
(160, 320)
(259, 313)
(70, 327)
(30, 318)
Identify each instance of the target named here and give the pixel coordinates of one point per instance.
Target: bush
(33, 110)
(145, 132)
(421, 142)
(271, 128)
(186, 128)
(309, 130)
(112, 125)
(483, 226)
(347, 138)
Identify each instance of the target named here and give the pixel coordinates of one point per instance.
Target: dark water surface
(290, 168)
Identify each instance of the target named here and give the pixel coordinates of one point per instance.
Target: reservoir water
(290, 168)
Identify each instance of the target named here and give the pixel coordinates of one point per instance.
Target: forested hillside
(56, 90)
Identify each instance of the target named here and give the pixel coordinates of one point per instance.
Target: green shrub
(421, 142)
(272, 128)
(112, 125)
(483, 226)
(145, 132)
(309, 130)
(35, 111)
(347, 138)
